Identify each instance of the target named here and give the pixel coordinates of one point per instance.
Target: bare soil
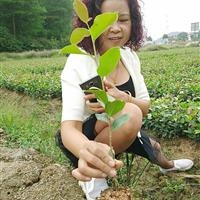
(26, 174)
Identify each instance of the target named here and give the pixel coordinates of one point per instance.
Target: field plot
(30, 111)
(37, 77)
(172, 77)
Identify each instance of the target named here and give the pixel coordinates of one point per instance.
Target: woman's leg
(161, 160)
(124, 136)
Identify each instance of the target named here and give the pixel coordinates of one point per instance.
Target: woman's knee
(133, 125)
(99, 126)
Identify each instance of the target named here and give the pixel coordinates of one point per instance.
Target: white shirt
(80, 68)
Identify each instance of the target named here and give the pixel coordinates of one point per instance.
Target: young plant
(106, 63)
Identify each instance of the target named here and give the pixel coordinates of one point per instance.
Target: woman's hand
(114, 91)
(95, 162)
(94, 106)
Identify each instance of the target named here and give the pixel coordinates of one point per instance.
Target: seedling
(106, 63)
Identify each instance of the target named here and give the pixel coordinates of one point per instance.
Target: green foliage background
(34, 24)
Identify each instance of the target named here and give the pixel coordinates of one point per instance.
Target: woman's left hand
(113, 91)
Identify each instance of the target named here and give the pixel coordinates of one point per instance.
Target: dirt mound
(26, 174)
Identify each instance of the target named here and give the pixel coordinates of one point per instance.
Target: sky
(165, 16)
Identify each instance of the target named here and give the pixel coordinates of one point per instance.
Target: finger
(97, 163)
(110, 92)
(118, 164)
(108, 84)
(98, 110)
(102, 151)
(89, 96)
(93, 104)
(88, 171)
(76, 174)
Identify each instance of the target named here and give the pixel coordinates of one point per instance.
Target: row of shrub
(29, 54)
(37, 78)
(172, 73)
(167, 73)
(172, 118)
(172, 79)
(177, 44)
(39, 86)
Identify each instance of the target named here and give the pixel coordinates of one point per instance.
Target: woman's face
(118, 33)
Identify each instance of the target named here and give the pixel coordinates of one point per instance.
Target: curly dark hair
(93, 6)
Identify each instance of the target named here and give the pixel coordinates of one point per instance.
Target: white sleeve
(72, 96)
(142, 92)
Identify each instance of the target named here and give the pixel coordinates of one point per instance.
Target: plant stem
(95, 53)
(110, 139)
(135, 181)
(129, 165)
(94, 48)
(114, 179)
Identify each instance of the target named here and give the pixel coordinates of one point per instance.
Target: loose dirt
(26, 174)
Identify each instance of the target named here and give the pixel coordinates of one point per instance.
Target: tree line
(34, 24)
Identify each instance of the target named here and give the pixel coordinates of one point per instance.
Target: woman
(83, 138)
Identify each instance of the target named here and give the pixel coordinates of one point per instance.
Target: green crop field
(172, 77)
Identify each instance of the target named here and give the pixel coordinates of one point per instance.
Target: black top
(128, 86)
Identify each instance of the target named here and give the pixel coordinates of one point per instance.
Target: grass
(30, 123)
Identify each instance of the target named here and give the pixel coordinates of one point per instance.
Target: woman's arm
(72, 137)
(142, 104)
(118, 94)
(94, 159)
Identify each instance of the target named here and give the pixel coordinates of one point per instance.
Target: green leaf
(81, 10)
(101, 23)
(102, 117)
(108, 61)
(100, 94)
(114, 107)
(78, 35)
(119, 121)
(74, 49)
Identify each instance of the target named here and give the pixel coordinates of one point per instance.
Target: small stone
(1, 130)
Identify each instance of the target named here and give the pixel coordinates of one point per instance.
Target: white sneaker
(179, 165)
(93, 188)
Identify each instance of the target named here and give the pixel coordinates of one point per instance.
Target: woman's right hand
(95, 162)
(94, 106)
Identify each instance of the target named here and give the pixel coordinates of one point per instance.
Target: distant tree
(165, 36)
(183, 36)
(22, 18)
(34, 24)
(7, 41)
(149, 38)
(57, 18)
